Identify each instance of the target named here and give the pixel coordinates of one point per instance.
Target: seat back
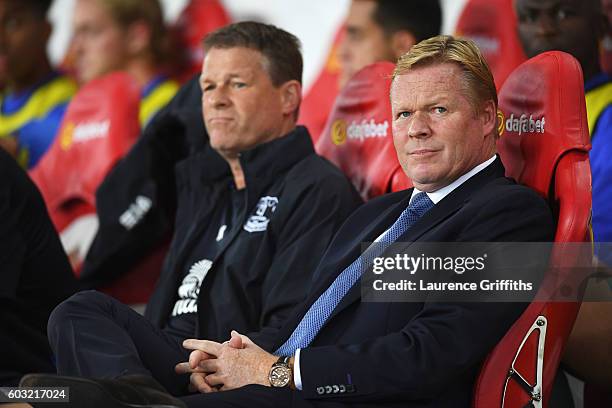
(319, 100)
(197, 19)
(544, 144)
(491, 24)
(100, 125)
(358, 136)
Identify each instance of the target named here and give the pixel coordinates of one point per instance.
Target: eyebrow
(442, 100)
(229, 77)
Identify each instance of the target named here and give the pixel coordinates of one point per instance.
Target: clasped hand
(224, 366)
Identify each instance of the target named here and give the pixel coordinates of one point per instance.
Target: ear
(138, 37)
(291, 96)
(401, 42)
(488, 115)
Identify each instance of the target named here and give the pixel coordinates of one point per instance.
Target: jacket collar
(263, 162)
(453, 201)
(274, 158)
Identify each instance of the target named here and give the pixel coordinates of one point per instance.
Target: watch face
(280, 376)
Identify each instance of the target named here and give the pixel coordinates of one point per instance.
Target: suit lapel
(351, 251)
(453, 201)
(440, 212)
(347, 252)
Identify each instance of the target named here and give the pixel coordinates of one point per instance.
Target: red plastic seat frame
(492, 25)
(358, 137)
(554, 162)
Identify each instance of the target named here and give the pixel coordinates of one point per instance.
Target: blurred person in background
(578, 27)
(148, 168)
(127, 35)
(35, 96)
(375, 30)
(383, 30)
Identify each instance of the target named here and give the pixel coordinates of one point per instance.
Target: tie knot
(420, 204)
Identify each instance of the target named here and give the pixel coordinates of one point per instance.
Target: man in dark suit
(343, 351)
(335, 350)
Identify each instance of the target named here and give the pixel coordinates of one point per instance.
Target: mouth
(218, 121)
(419, 153)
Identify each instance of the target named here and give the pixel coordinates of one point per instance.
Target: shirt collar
(438, 195)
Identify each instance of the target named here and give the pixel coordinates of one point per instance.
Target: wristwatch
(281, 374)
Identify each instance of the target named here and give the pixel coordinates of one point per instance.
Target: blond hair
(127, 12)
(462, 52)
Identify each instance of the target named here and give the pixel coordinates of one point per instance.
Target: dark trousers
(95, 336)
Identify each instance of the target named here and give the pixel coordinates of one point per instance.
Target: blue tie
(323, 307)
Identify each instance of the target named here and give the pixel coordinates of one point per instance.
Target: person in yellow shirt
(35, 96)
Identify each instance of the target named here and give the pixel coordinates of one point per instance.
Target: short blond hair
(460, 51)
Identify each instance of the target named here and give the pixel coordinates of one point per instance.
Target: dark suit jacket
(35, 275)
(413, 354)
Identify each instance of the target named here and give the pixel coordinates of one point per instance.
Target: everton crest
(258, 221)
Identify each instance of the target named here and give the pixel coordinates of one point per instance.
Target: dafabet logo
(338, 132)
(82, 132)
(360, 131)
(66, 136)
(525, 124)
(501, 120)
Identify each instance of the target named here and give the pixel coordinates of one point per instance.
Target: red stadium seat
(199, 18)
(544, 144)
(99, 127)
(492, 26)
(319, 100)
(358, 136)
(97, 130)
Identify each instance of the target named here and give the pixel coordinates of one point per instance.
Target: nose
(545, 24)
(216, 98)
(418, 126)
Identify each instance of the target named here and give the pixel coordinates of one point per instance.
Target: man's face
(241, 106)
(98, 43)
(364, 42)
(437, 134)
(562, 25)
(23, 39)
